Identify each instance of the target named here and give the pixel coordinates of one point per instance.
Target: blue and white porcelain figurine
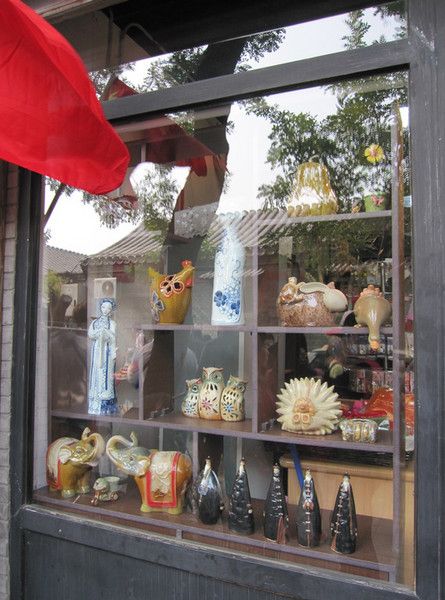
(102, 398)
(227, 298)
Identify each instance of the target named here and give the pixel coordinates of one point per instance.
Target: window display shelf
(243, 429)
(193, 327)
(262, 329)
(130, 417)
(384, 441)
(169, 421)
(179, 421)
(284, 220)
(322, 330)
(373, 556)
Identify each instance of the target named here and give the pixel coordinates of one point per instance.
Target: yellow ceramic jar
(170, 295)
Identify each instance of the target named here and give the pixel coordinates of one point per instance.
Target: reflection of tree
(363, 116)
(189, 65)
(157, 194)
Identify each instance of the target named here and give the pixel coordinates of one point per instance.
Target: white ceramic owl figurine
(232, 400)
(190, 403)
(210, 394)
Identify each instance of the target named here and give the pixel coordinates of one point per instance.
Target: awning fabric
(50, 119)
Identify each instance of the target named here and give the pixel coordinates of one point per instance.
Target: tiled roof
(62, 261)
(132, 248)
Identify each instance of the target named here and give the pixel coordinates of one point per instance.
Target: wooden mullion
(299, 74)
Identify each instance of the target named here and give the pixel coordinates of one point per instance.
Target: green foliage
(159, 192)
(176, 69)
(183, 66)
(358, 28)
(53, 285)
(365, 109)
(398, 11)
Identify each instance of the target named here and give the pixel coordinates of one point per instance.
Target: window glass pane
(246, 294)
(137, 53)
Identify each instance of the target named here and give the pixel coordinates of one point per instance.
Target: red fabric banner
(50, 119)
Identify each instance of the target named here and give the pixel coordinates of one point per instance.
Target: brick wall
(9, 234)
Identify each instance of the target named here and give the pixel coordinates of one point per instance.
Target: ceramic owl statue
(190, 403)
(232, 400)
(209, 405)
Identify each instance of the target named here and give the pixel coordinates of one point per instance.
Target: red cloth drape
(50, 119)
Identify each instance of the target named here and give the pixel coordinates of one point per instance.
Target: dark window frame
(423, 55)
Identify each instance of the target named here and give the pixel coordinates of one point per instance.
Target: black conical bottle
(241, 517)
(276, 518)
(308, 514)
(209, 495)
(344, 520)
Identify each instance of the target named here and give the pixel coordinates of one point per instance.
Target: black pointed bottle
(209, 495)
(344, 520)
(308, 514)
(240, 517)
(276, 518)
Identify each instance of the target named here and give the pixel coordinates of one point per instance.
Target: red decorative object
(164, 496)
(382, 400)
(52, 122)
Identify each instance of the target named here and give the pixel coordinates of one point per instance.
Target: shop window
(242, 305)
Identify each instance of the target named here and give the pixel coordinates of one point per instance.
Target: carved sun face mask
(303, 412)
(308, 406)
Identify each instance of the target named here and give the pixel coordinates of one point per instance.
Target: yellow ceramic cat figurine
(170, 295)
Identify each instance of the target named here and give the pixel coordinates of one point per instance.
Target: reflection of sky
(75, 226)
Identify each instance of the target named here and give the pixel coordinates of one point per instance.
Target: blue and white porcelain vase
(227, 298)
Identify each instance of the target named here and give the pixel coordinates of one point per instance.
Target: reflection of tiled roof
(132, 248)
(254, 226)
(62, 261)
(261, 228)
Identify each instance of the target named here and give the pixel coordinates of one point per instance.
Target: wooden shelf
(359, 216)
(324, 330)
(373, 550)
(241, 429)
(169, 421)
(384, 441)
(179, 421)
(194, 327)
(130, 418)
(334, 330)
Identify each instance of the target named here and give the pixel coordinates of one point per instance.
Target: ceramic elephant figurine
(162, 477)
(69, 462)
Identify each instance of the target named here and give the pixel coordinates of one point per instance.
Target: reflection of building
(65, 277)
(121, 271)
(65, 263)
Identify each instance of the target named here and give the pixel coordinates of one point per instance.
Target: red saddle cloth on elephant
(161, 480)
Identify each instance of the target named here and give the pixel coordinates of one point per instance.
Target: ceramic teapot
(309, 304)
